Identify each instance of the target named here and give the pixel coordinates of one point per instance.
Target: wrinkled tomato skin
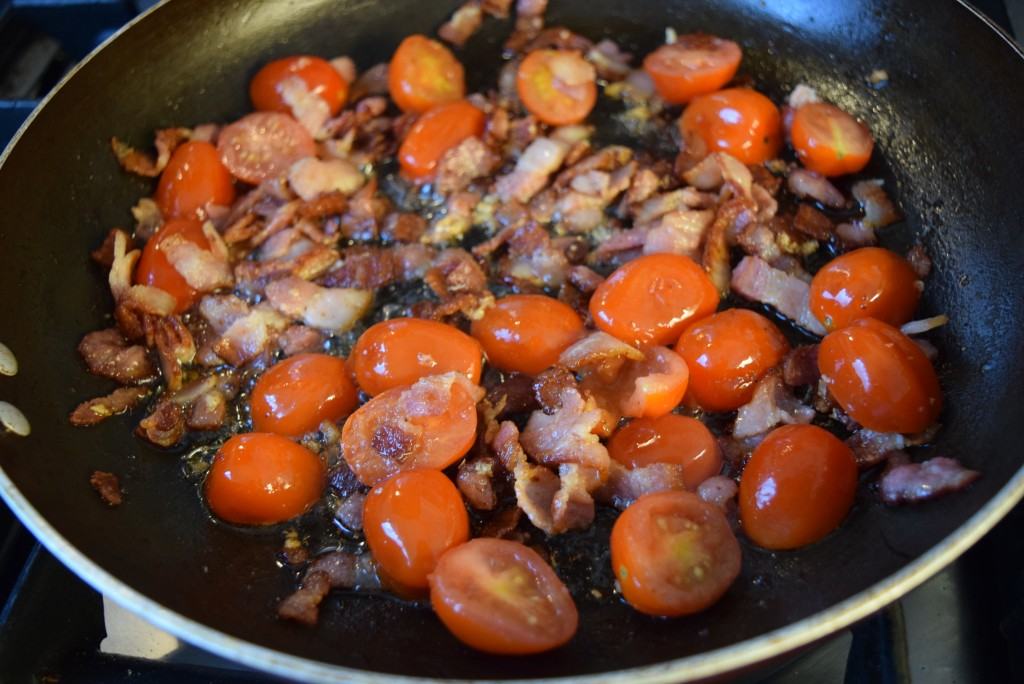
(670, 438)
(155, 270)
(296, 395)
(527, 333)
(870, 282)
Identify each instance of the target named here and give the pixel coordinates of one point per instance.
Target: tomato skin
(527, 333)
(798, 486)
(423, 74)
(434, 133)
(670, 438)
(830, 141)
(727, 354)
(400, 351)
(154, 269)
(550, 98)
(880, 377)
(870, 282)
(263, 145)
(319, 76)
(410, 520)
(696, 64)
(499, 596)
(193, 178)
(673, 554)
(297, 394)
(738, 121)
(262, 479)
(651, 299)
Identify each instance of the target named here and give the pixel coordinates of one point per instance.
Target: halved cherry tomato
(263, 145)
(423, 74)
(870, 282)
(410, 520)
(670, 438)
(526, 333)
(262, 479)
(431, 424)
(400, 351)
(434, 133)
(649, 300)
(154, 268)
(320, 77)
(739, 121)
(558, 87)
(797, 487)
(696, 64)
(830, 141)
(673, 554)
(194, 178)
(880, 377)
(295, 395)
(727, 354)
(500, 596)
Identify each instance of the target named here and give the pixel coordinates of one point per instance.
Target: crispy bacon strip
(142, 164)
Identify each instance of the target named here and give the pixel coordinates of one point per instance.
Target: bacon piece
(810, 221)
(147, 218)
(856, 234)
(463, 23)
(585, 279)
(715, 257)
(800, 367)
(601, 352)
(368, 268)
(117, 402)
(548, 387)
(919, 260)
(108, 487)
(923, 325)
(879, 210)
(208, 412)
(142, 164)
(373, 81)
(311, 178)
(475, 480)
(461, 165)
(106, 353)
(457, 217)
(300, 339)
(535, 489)
(905, 482)
(804, 183)
(871, 448)
(718, 490)
(306, 105)
(349, 511)
(572, 507)
(678, 232)
(682, 199)
(626, 485)
(537, 163)
(567, 435)
(506, 447)
(165, 426)
(754, 279)
(532, 256)
(611, 62)
(104, 254)
(249, 335)
(334, 570)
(718, 169)
(203, 269)
(403, 227)
(332, 310)
(497, 8)
(771, 405)
(175, 346)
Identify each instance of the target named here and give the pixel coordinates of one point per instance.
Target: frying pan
(948, 132)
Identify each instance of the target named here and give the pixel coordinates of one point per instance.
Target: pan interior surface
(943, 125)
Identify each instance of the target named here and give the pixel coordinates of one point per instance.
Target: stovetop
(965, 625)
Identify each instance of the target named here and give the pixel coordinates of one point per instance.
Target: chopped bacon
(512, 393)
(810, 221)
(856, 234)
(679, 232)
(334, 570)
(771, 405)
(755, 279)
(599, 351)
(567, 435)
(626, 485)
(349, 511)
(142, 164)
(800, 367)
(715, 257)
(175, 346)
(537, 163)
(572, 507)
(311, 177)
(919, 260)
(369, 268)
(879, 211)
(718, 169)
(329, 309)
(165, 426)
(905, 482)
(306, 105)
(503, 524)
(802, 94)
(107, 353)
(548, 387)
(532, 256)
(506, 447)
(804, 184)
(924, 325)
(585, 279)
(403, 227)
(452, 223)
(463, 23)
(871, 448)
(718, 490)
(203, 269)
(682, 199)
(475, 480)
(247, 336)
(104, 254)
(300, 339)
(108, 487)
(372, 82)
(461, 165)
(147, 218)
(496, 8)
(611, 62)
(535, 489)
(97, 410)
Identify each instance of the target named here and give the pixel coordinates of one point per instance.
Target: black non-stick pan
(950, 136)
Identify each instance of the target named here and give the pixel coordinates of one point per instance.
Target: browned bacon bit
(800, 367)
(334, 570)
(804, 184)
(905, 482)
(249, 335)
(735, 451)
(771, 405)
(538, 161)
(919, 260)
(365, 267)
(108, 487)
(300, 339)
(601, 353)
(458, 271)
(567, 435)
(506, 446)
(498, 9)
(532, 256)
(585, 279)
(142, 164)
(403, 227)
(293, 550)
(366, 211)
(535, 488)
(349, 511)
(718, 490)
(104, 254)
(626, 485)
(871, 448)
(464, 23)
(856, 234)
(879, 211)
(611, 62)
(106, 353)
(548, 387)
(810, 221)
(678, 232)
(573, 507)
(718, 169)
(329, 204)
(515, 394)
(715, 257)
(165, 426)
(175, 346)
(475, 480)
(503, 524)
(147, 218)
(373, 81)
(461, 165)
(97, 410)
(756, 280)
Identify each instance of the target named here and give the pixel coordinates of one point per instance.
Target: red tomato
(154, 268)
(673, 554)
(431, 424)
(658, 384)
(263, 145)
(727, 354)
(797, 487)
(295, 395)
(668, 439)
(400, 351)
(696, 64)
(870, 282)
(880, 377)
(558, 87)
(409, 520)
(649, 300)
(423, 73)
(194, 178)
(527, 333)
(739, 121)
(434, 133)
(320, 77)
(830, 141)
(261, 479)
(500, 596)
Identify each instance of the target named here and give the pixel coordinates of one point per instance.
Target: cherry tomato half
(194, 178)
(673, 554)
(400, 351)
(830, 141)
(431, 424)
(672, 439)
(870, 282)
(410, 520)
(727, 354)
(526, 333)
(262, 479)
(500, 596)
(263, 145)
(423, 73)
(738, 121)
(649, 300)
(154, 268)
(295, 395)
(696, 64)
(880, 377)
(797, 487)
(434, 133)
(320, 77)
(558, 87)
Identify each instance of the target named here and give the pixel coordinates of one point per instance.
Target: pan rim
(687, 669)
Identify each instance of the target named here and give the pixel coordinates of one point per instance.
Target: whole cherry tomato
(671, 438)
(738, 121)
(193, 179)
(830, 141)
(154, 269)
(869, 282)
(526, 333)
(295, 395)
